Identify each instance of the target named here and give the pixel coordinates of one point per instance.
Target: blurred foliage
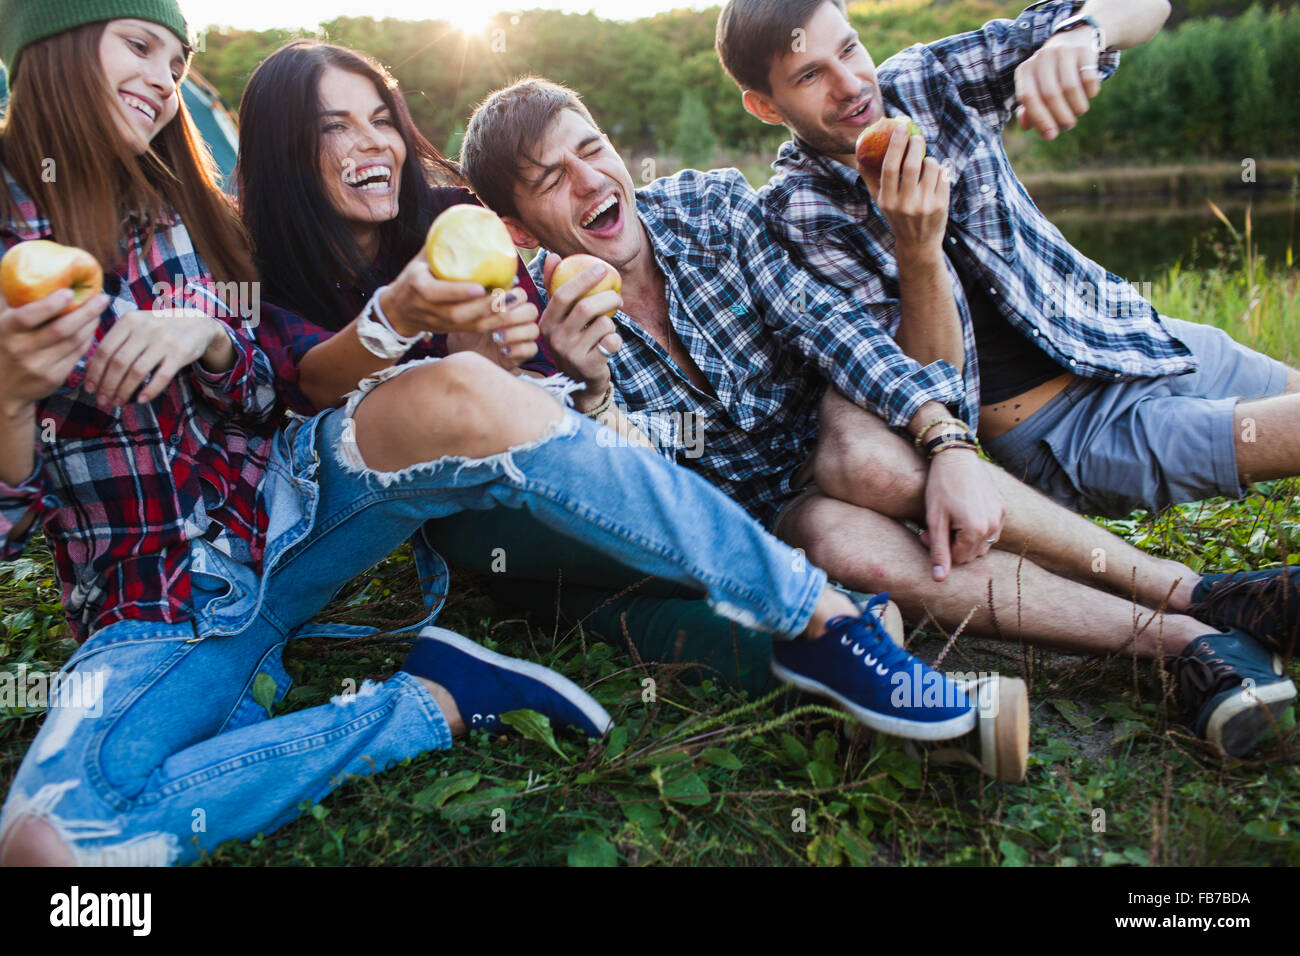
(1180, 96)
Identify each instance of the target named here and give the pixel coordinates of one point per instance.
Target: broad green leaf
(617, 741)
(264, 691)
(592, 849)
(824, 851)
(795, 750)
(858, 850)
(444, 788)
(482, 803)
(1073, 715)
(821, 775)
(902, 768)
(1013, 854)
(688, 788)
(533, 726)
(1268, 831)
(824, 747)
(644, 815)
(721, 758)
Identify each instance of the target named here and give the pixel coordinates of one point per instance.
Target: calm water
(1141, 240)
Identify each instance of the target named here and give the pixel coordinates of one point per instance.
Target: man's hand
(964, 510)
(576, 326)
(912, 194)
(1054, 85)
(39, 348)
(153, 345)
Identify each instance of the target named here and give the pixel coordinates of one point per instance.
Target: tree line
(1220, 84)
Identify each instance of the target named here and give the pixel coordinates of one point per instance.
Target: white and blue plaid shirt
(767, 337)
(961, 93)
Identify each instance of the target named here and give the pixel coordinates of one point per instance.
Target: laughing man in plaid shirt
(743, 367)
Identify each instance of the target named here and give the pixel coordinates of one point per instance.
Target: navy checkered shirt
(767, 337)
(961, 93)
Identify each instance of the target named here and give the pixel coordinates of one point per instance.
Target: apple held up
(571, 266)
(873, 143)
(471, 244)
(37, 268)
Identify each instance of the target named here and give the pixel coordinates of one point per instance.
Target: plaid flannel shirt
(122, 493)
(961, 93)
(765, 334)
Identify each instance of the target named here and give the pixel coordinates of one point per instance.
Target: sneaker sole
(590, 707)
(1002, 738)
(895, 726)
(1243, 717)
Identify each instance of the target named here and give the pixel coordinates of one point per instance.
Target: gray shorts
(1109, 448)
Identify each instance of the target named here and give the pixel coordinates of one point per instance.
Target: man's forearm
(1128, 23)
(930, 329)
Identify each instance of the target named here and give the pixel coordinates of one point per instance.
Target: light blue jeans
(166, 754)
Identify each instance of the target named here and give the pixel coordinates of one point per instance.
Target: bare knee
(875, 469)
(461, 405)
(32, 841)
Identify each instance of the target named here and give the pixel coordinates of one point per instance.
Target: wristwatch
(377, 334)
(1080, 20)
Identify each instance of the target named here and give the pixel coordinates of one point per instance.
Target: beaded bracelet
(604, 405)
(920, 436)
(944, 442)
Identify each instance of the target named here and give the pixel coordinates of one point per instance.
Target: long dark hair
(60, 117)
(301, 244)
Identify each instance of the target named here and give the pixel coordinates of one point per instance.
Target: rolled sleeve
(29, 497)
(983, 63)
(246, 388)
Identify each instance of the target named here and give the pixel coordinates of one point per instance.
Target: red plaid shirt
(122, 493)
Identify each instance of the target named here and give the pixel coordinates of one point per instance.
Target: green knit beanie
(23, 22)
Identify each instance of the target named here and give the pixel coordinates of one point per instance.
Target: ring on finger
(604, 351)
(1089, 69)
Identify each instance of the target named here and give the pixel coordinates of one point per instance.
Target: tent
(209, 113)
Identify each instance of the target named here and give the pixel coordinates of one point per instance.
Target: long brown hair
(61, 112)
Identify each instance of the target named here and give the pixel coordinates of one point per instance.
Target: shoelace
(878, 651)
(1204, 675)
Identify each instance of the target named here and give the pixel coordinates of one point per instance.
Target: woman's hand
(154, 346)
(508, 348)
(39, 348)
(417, 302)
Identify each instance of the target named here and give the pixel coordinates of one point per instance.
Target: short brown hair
(753, 33)
(504, 130)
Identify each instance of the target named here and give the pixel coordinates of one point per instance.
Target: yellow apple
(470, 244)
(32, 270)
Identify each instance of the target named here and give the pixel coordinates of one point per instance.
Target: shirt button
(1117, 374)
(1073, 363)
(1035, 331)
(992, 291)
(985, 188)
(174, 441)
(952, 240)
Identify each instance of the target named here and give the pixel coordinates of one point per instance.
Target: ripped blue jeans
(164, 754)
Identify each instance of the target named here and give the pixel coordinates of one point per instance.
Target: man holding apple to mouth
(1073, 382)
(714, 319)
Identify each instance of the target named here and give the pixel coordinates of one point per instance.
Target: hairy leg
(859, 460)
(1267, 436)
(871, 552)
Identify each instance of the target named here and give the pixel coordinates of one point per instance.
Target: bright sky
(261, 15)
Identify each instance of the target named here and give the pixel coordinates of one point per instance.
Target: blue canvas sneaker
(857, 665)
(1265, 604)
(486, 684)
(1229, 683)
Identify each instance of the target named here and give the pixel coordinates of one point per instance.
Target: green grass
(703, 776)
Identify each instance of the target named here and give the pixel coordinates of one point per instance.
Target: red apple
(32, 270)
(571, 266)
(874, 142)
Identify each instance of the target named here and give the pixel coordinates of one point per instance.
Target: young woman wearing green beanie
(194, 536)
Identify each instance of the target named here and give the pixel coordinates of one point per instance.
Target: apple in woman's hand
(571, 266)
(874, 142)
(32, 270)
(471, 244)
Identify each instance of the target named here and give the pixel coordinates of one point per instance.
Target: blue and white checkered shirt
(961, 92)
(767, 337)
